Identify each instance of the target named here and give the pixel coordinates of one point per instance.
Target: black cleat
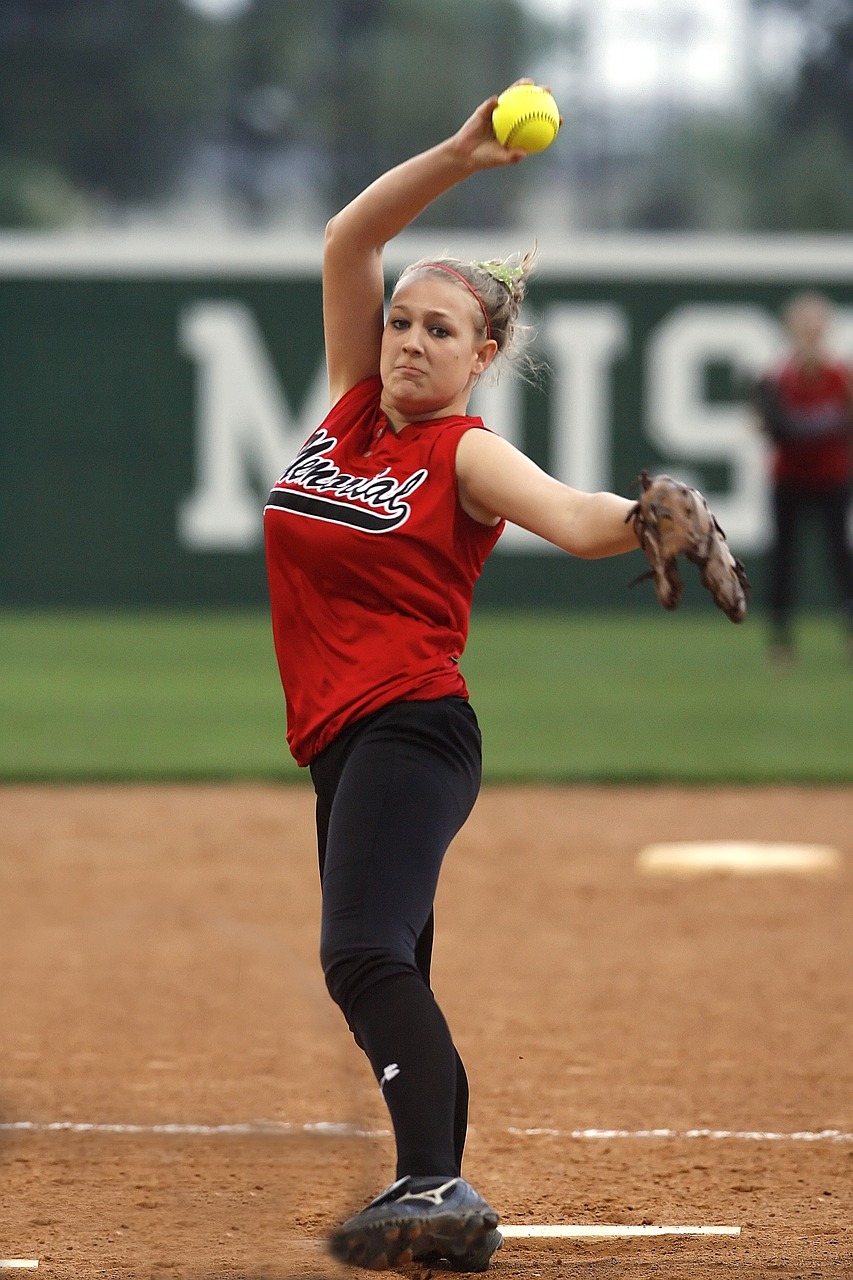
(475, 1259)
(417, 1220)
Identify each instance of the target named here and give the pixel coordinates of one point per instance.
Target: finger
(486, 108)
(505, 155)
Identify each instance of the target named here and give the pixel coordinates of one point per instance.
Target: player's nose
(413, 339)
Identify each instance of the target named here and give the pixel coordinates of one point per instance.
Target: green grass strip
(618, 697)
(686, 697)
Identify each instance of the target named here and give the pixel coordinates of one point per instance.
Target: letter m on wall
(245, 432)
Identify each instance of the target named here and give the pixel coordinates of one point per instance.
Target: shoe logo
(436, 1196)
(388, 1074)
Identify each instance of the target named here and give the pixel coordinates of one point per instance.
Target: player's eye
(439, 331)
(398, 323)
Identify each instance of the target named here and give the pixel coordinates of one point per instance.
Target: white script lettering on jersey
(373, 504)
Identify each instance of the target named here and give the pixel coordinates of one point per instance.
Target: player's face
(433, 349)
(808, 321)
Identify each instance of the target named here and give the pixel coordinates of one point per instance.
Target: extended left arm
(496, 481)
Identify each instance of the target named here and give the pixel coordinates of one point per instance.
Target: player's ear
(484, 356)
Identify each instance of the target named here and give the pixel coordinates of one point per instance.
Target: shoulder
(362, 394)
(442, 437)
(484, 460)
(359, 404)
(477, 441)
(481, 459)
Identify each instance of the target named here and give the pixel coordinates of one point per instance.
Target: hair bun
(510, 277)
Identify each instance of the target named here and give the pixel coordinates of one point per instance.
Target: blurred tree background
(784, 162)
(272, 112)
(99, 103)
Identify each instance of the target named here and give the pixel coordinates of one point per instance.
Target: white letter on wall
(582, 342)
(683, 424)
(245, 434)
(499, 404)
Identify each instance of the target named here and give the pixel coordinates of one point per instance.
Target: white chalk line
(616, 1231)
(717, 1135)
(19, 1264)
(251, 1128)
(325, 1128)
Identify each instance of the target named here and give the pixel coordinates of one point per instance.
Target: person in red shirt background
(805, 406)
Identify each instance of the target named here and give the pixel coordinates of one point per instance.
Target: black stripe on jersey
(336, 512)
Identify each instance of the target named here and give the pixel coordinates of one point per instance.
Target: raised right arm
(353, 280)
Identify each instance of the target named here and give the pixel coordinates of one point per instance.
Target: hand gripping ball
(526, 116)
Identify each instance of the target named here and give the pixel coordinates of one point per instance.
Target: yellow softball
(526, 116)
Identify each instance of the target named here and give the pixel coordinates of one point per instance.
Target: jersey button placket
(377, 436)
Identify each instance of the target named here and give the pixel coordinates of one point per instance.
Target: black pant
(790, 504)
(392, 792)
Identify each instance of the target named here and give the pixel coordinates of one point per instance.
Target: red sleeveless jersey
(818, 454)
(371, 563)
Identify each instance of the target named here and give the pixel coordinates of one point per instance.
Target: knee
(341, 969)
(349, 971)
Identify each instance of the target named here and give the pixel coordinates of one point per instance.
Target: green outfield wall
(154, 389)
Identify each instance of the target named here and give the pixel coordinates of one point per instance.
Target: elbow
(338, 247)
(576, 544)
(599, 544)
(330, 234)
(578, 539)
(338, 239)
(583, 550)
(343, 238)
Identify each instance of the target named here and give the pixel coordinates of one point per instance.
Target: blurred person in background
(805, 406)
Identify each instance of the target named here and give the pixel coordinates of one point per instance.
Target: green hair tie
(508, 276)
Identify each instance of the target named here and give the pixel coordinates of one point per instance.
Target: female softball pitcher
(375, 536)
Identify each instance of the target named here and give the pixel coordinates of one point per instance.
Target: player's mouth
(409, 371)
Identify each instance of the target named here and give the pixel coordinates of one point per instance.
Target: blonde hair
(499, 287)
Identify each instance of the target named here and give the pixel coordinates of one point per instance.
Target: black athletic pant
(392, 792)
(790, 504)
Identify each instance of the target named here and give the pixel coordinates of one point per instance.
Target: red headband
(440, 266)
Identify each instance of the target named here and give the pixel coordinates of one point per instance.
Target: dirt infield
(158, 967)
